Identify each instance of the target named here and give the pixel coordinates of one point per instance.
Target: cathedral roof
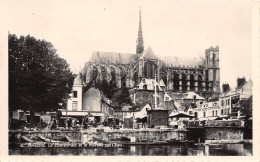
(148, 54)
(182, 61)
(113, 57)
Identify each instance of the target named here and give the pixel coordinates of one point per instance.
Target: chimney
(225, 87)
(240, 81)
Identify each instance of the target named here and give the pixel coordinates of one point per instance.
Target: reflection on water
(144, 150)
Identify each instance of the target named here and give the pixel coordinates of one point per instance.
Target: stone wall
(137, 136)
(149, 135)
(224, 133)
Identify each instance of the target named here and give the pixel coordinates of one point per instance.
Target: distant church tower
(140, 41)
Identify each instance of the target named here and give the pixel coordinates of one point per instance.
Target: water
(144, 150)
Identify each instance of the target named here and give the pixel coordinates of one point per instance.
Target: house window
(204, 114)
(167, 98)
(216, 113)
(222, 112)
(74, 105)
(213, 113)
(75, 94)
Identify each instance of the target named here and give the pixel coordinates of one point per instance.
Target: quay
(98, 137)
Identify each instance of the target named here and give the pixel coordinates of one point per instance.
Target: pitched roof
(113, 57)
(148, 54)
(143, 113)
(180, 115)
(182, 61)
(190, 96)
(77, 80)
(188, 105)
(175, 95)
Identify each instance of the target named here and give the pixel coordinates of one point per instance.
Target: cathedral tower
(212, 66)
(140, 41)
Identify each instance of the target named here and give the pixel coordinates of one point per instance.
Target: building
(237, 100)
(157, 117)
(144, 93)
(91, 103)
(208, 111)
(120, 113)
(175, 75)
(95, 103)
(75, 101)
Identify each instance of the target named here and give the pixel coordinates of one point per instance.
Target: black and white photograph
(129, 78)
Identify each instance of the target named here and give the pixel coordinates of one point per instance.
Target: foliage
(38, 78)
(117, 95)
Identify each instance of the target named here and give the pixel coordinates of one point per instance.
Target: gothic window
(172, 75)
(149, 70)
(84, 78)
(103, 73)
(214, 75)
(199, 82)
(135, 78)
(145, 87)
(123, 77)
(214, 57)
(192, 82)
(94, 74)
(176, 81)
(184, 87)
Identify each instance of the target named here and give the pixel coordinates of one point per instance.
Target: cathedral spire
(140, 41)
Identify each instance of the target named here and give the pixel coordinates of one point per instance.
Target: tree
(38, 78)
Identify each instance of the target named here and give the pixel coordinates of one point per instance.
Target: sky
(178, 28)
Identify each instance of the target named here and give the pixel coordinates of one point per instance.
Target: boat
(47, 139)
(27, 139)
(70, 139)
(145, 143)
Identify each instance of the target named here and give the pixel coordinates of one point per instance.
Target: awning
(74, 113)
(98, 114)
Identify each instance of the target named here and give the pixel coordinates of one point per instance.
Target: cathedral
(174, 75)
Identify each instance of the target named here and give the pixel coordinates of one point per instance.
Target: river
(143, 150)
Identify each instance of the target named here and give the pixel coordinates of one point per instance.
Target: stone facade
(178, 74)
(233, 101)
